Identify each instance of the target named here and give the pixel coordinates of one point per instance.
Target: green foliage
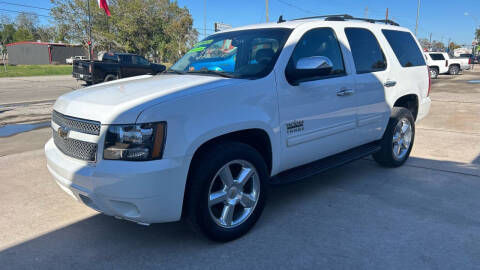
(154, 28)
(23, 35)
(35, 70)
(477, 34)
(452, 46)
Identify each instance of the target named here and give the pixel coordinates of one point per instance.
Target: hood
(121, 101)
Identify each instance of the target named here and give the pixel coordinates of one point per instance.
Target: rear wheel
(397, 140)
(433, 72)
(110, 77)
(454, 70)
(226, 192)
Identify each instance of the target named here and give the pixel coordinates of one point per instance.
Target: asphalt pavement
(424, 215)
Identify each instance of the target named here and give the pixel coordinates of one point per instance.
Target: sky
(443, 19)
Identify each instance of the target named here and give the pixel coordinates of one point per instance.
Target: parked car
(73, 58)
(442, 63)
(114, 66)
(203, 144)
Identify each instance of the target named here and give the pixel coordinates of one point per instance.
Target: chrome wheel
(402, 138)
(433, 73)
(233, 194)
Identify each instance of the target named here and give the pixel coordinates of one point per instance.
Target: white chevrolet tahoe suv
(243, 109)
(442, 63)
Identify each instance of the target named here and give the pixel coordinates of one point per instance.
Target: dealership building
(42, 53)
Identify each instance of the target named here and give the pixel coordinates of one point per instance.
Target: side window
(126, 59)
(316, 42)
(437, 56)
(367, 54)
(140, 60)
(405, 48)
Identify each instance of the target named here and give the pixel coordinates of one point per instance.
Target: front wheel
(227, 191)
(397, 140)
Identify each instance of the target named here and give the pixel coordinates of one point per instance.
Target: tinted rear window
(367, 54)
(437, 56)
(406, 49)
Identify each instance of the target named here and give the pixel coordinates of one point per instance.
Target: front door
(317, 114)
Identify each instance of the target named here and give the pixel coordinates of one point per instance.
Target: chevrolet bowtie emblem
(63, 132)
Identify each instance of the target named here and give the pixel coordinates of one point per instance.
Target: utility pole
(366, 12)
(430, 38)
(266, 8)
(418, 13)
(89, 32)
(386, 17)
(204, 18)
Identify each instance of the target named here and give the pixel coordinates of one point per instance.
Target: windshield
(237, 54)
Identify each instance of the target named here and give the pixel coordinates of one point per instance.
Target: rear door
(373, 77)
(439, 61)
(127, 68)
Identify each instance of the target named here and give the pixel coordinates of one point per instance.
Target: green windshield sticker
(203, 42)
(198, 49)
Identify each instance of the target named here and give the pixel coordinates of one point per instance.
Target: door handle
(389, 83)
(345, 92)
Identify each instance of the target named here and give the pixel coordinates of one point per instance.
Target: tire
(396, 145)
(453, 70)
(110, 77)
(211, 217)
(433, 72)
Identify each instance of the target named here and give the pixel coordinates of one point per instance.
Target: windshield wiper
(214, 72)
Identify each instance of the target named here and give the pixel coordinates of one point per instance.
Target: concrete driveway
(424, 215)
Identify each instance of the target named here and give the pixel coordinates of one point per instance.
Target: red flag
(104, 4)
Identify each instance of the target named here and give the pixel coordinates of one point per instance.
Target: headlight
(135, 142)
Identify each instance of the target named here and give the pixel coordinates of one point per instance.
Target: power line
(21, 5)
(296, 7)
(25, 12)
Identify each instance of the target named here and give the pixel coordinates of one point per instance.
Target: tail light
(469, 61)
(446, 63)
(429, 82)
(90, 68)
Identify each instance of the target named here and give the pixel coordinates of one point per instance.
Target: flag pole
(89, 32)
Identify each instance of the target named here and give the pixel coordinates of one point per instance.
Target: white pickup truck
(442, 63)
(244, 108)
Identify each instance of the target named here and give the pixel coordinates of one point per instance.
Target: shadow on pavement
(356, 216)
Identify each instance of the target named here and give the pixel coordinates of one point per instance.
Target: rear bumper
(143, 192)
(83, 77)
(424, 108)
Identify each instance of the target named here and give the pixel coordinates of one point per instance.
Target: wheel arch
(409, 102)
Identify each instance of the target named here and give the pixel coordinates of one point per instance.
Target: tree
(438, 45)
(23, 35)
(477, 34)
(157, 28)
(425, 43)
(452, 46)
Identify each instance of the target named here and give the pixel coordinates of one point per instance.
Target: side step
(324, 164)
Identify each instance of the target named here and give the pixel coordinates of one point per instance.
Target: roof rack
(344, 17)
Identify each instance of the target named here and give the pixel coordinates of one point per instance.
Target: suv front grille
(75, 148)
(77, 124)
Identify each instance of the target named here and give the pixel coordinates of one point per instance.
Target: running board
(321, 165)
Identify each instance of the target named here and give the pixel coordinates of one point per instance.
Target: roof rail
(344, 17)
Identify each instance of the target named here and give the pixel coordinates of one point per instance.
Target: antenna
(281, 19)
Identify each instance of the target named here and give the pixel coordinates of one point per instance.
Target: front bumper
(144, 192)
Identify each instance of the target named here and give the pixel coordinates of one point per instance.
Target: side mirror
(309, 68)
(314, 62)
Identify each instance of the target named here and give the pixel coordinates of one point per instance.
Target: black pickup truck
(113, 66)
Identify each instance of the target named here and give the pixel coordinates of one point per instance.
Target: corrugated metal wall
(28, 54)
(61, 53)
(38, 54)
